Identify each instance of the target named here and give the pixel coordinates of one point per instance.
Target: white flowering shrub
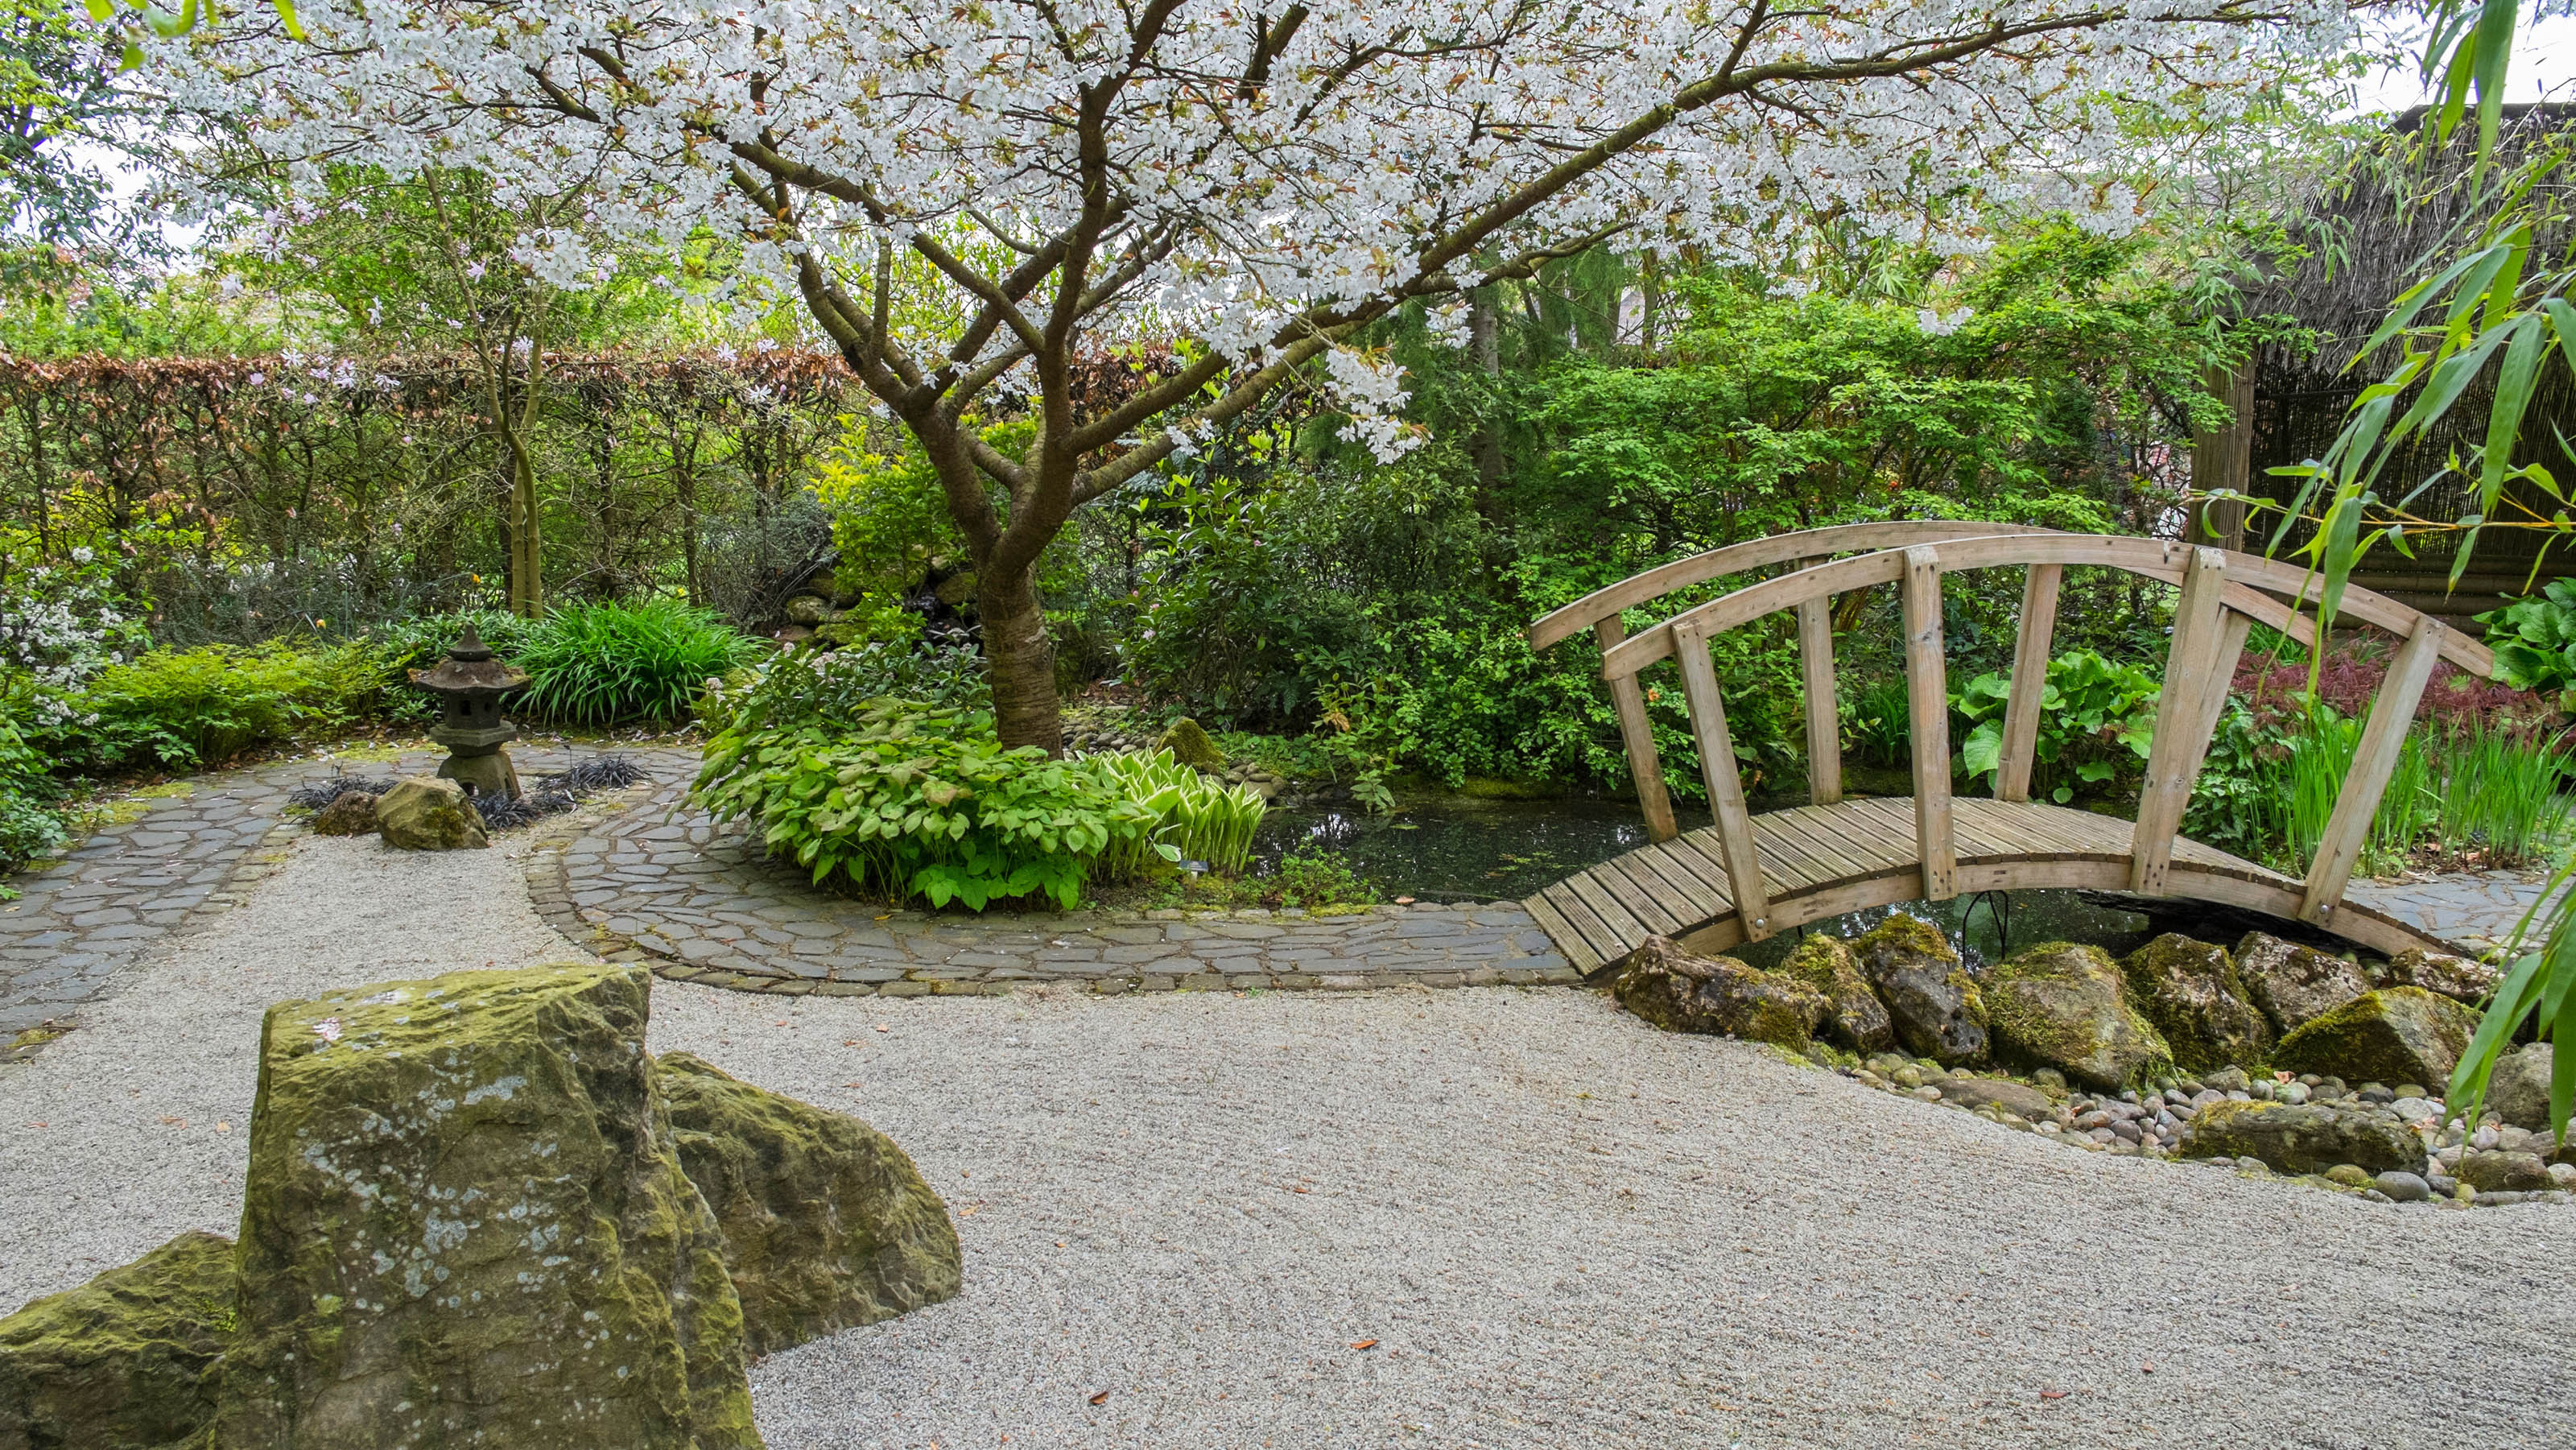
(60, 624)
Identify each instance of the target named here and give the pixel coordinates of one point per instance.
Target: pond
(1462, 848)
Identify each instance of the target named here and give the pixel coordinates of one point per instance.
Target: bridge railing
(2223, 595)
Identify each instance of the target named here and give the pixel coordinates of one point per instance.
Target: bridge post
(2032, 641)
(2183, 721)
(1734, 821)
(2382, 740)
(1824, 721)
(1927, 699)
(1644, 766)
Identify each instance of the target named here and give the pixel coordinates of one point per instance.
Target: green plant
(2498, 791)
(2534, 639)
(910, 801)
(1314, 877)
(199, 706)
(1194, 818)
(807, 687)
(609, 663)
(2094, 716)
(30, 826)
(1878, 724)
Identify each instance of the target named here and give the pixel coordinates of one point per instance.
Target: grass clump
(601, 664)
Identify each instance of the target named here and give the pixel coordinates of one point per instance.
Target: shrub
(29, 825)
(2095, 717)
(912, 801)
(802, 687)
(610, 663)
(2534, 639)
(205, 705)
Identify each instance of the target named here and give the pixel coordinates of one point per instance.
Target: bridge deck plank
(1858, 850)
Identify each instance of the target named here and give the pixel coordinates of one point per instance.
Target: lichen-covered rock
(2305, 1137)
(2518, 1089)
(351, 813)
(2491, 1171)
(465, 1224)
(826, 1223)
(1854, 1017)
(2020, 1099)
(1191, 745)
(2396, 1034)
(2191, 991)
(2459, 978)
(423, 813)
(2063, 1005)
(2294, 984)
(125, 1361)
(1935, 1007)
(1683, 993)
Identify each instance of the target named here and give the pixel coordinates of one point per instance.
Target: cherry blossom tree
(1257, 179)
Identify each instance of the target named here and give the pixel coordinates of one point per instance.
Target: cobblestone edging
(660, 883)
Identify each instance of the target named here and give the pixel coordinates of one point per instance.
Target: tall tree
(1263, 180)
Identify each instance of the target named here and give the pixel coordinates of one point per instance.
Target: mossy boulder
(2462, 979)
(466, 1224)
(2020, 1099)
(1854, 1017)
(1930, 999)
(124, 1362)
(2491, 1171)
(2305, 1137)
(1683, 993)
(351, 813)
(2063, 1005)
(2295, 985)
(826, 1223)
(2518, 1090)
(423, 813)
(2191, 992)
(1191, 745)
(2396, 1034)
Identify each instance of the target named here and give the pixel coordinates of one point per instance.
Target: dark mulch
(550, 795)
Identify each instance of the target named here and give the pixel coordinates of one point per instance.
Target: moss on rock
(2304, 1138)
(2295, 985)
(2396, 1034)
(1857, 1019)
(2192, 994)
(422, 813)
(826, 1222)
(125, 1361)
(1683, 993)
(465, 1223)
(1191, 745)
(2063, 1005)
(1934, 1005)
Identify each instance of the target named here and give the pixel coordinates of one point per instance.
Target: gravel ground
(1558, 1227)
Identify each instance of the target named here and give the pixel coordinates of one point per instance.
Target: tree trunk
(1485, 344)
(1019, 659)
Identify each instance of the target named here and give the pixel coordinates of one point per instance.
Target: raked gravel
(1557, 1226)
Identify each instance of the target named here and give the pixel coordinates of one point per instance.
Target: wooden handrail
(1609, 601)
(1927, 700)
(2253, 582)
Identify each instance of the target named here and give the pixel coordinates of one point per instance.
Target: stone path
(191, 847)
(2475, 909)
(662, 882)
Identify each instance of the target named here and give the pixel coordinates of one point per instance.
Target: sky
(2544, 61)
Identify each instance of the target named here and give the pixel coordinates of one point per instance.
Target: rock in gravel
(1935, 1006)
(2191, 991)
(2494, 1171)
(125, 1361)
(2461, 978)
(2063, 1005)
(2292, 983)
(1854, 1017)
(465, 1224)
(1679, 992)
(351, 813)
(2518, 1091)
(2016, 1098)
(2304, 1139)
(2403, 1187)
(2393, 1034)
(826, 1223)
(422, 813)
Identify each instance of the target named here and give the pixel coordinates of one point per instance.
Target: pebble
(2403, 1187)
(2416, 1110)
(2293, 1093)
(1928, 1093)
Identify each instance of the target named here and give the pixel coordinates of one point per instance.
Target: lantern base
(490, 775)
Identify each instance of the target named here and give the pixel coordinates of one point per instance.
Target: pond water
(1458, 848)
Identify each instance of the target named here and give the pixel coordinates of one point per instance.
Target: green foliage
(2498, 791)
(203, 706)
(908, 801)
(30, 826)
(804, 687)
(1878, 723)
(613, 663)
(889, 518)
(2534, 639)
(2095, 718)
(1314, 877)
(1194, 818)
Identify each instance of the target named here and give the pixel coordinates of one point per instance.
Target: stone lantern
(469, 684)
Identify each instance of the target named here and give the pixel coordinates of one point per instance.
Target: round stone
(2403, 1187)
(2350, 1175)
(1928, 1093)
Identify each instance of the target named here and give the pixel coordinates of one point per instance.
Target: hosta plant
(2095, 717)
(911, 801)
(1195, 817)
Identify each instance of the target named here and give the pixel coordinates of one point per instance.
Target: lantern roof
(470, 671)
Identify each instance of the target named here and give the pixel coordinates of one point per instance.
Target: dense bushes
(609, 664)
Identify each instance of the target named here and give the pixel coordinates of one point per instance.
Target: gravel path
(1559, 1227)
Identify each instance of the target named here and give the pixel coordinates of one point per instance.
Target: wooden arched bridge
(1746, 877)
